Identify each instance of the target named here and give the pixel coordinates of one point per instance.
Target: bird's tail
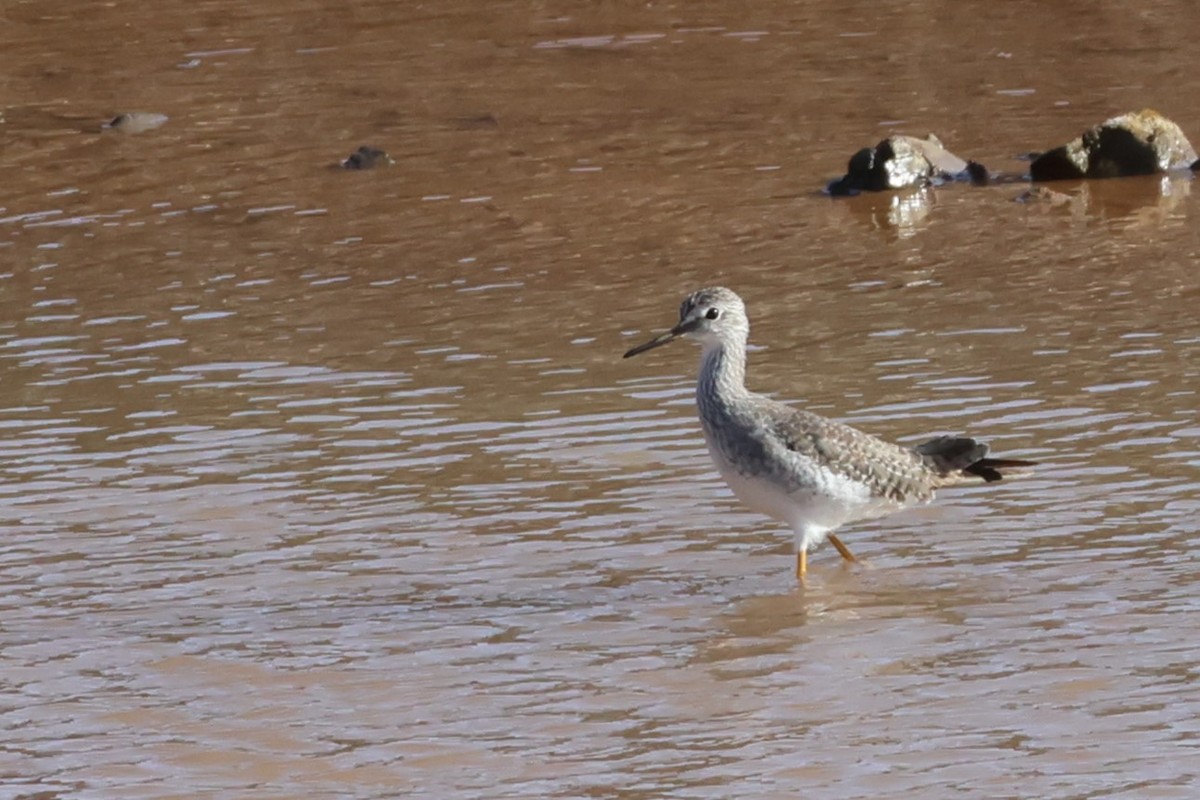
(959, 458)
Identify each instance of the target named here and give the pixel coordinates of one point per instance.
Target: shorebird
(812, 473)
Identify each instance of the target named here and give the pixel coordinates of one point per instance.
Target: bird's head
(711, 316)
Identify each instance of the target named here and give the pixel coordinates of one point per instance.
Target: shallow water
(329, 484)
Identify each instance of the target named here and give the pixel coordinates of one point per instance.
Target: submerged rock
(135, 122)
(367, 158)
(900, 162)
(1040, 194)
(1139, 143)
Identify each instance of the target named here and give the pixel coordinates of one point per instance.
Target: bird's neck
(722, 378)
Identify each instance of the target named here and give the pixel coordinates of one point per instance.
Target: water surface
(330, 484)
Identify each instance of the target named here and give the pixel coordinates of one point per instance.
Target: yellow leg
(841, 548)
(802, 563)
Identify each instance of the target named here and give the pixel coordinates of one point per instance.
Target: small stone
(367, 158)
(135, 122)
(1139, 143)
(1040, 194)
(978, 174)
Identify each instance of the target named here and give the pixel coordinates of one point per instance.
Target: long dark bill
(657, 341)
(664, 338)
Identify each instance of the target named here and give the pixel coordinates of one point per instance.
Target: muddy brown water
(325, 484)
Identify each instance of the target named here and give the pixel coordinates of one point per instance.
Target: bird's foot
(841, 548)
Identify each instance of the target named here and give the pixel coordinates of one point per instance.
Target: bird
(812, 473)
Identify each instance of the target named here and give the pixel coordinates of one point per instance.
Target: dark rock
(1139, 143)
(367, 158)
(900, 162)
(1196, 165)
(135, 122)
(977, 174)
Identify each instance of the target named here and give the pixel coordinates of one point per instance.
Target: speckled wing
(891, 472)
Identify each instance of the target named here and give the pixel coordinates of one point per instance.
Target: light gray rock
(135, 122)
(900, 162)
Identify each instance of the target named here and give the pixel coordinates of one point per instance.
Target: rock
(1139, 143)
(1040, 194)
(977, 174)
(367, 158)
(135, 122)
(900, 162)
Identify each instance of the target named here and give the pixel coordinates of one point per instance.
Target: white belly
(829, 501)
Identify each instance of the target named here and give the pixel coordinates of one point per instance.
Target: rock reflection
(1147, 201)
(902, 214)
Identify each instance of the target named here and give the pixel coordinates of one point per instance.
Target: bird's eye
(713, 313)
